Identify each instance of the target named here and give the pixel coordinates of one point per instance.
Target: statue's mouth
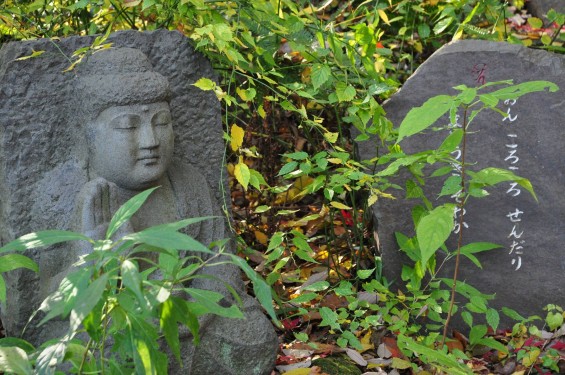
(149, 159)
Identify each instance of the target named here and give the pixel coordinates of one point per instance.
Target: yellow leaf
(242, 174)
(33, 54)
(383, 16)
(331, 137)
(366, 342)
(305, 75)
(340, 206)
(261, 237)
(261, 111)
(400, 364)
(231, 168)
(298, 371)
(205, 84)
(131, 3)
(237, 134)
(335, 160)
(531, 357)
(372, 199)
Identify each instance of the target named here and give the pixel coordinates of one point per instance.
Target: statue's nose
(147, 138)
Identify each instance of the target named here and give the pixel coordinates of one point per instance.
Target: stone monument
(528, 272)
(539, 8)
(76, 145)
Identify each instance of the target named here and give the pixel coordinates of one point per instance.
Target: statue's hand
(96, 204)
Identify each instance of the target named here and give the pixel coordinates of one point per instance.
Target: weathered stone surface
(539, 8)
(529, 271)
(67, 143)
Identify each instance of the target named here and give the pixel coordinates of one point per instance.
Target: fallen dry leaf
(285, 369)
(356, 357)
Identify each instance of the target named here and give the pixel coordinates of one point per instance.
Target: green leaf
(494, 344)
(261, 289)
(447, 362)
(12, 261)
(6, 342)
(535, 22)
(287, 168)
(171, 240)
(317, 286)
(126, 211)
(352, 339)
(554, 320)
(424, 31)
(303, 250)
(15, 361)
(442, 171)
(442, 25)
(492, 176)
(478, 247)
(493, 319)
(256, 179)
(50, 357)
(467, 95)
(344, 92)
(86, 301)
(516, 91)
(261, 209)
(420, 118)
(364, 274)
(276, 241)
(489, 100)
(175, 226)
(433, 230)
(467, 318)
(479, 304)
(205, 84)
(303, 298)
(301, 336)
(209, 299)
(2, 290)
(451, 186)
(169, 314)
(132, 280)
(41, 239)
(403, 161)
(345, 288)
(297, 155)
(452, 141)
(477, 333)
(512, 314)
(329, 318)
(320, 74)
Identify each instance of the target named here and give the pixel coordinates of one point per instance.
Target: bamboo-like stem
(460, 204)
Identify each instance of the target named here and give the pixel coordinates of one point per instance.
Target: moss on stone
(336, 366)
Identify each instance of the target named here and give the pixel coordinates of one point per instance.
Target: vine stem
(460, 204)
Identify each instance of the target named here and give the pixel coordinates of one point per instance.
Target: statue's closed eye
(125, 122)
(162, 118)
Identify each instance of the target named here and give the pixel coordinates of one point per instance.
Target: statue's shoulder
(191, 187)
(188, 175)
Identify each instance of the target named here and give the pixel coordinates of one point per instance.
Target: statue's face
(132, 145)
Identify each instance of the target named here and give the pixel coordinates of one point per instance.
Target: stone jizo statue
(129, 137)
(126, 144)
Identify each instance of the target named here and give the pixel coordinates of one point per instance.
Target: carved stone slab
(539, 8)
(529, 271)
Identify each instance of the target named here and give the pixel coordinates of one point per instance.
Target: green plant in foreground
(120, 304)
(401, 313)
